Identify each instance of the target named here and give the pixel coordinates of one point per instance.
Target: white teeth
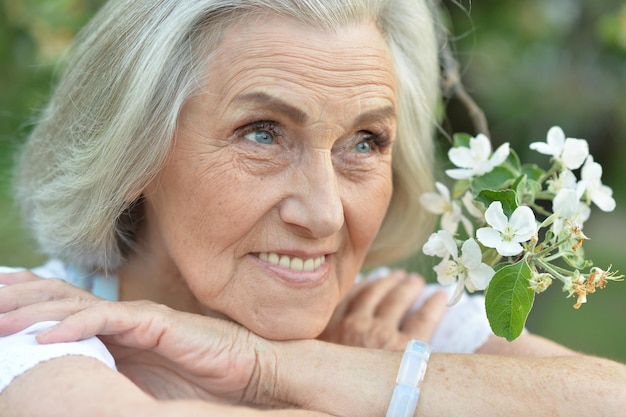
(273, 258)
(295, 263)
(309, 265)
(284, 261)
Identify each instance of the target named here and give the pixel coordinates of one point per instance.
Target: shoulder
(102, 285)
(20, 352)
(51, 269)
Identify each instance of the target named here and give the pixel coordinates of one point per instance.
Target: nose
(314, 204)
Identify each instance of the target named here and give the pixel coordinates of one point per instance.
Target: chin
(293, 330)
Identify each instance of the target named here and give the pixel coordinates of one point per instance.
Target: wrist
(335, 379)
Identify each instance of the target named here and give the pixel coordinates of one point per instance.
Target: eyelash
(380, 140)
(264, 125)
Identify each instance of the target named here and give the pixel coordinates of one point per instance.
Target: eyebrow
(275, 103)
(294, 113)
(376, 115)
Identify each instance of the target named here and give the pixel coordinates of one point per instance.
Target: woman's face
(280, 175)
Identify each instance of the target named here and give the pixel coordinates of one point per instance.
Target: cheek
(366, 206)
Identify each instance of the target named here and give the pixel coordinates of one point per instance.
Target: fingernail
(44, 333)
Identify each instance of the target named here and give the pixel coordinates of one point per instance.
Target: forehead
(351, 63)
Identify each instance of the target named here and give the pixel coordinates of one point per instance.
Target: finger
(25, 293)
(103, 318)
(423, 323)
(395, 305)
(367, 300)
(17, 277)
(146, 325)
(17, 320)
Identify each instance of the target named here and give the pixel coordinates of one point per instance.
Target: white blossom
(438, 245)
(477, 159)
(566, 179)
(440, 203)
(570, 210)
(567, 204)
(591, 181)
(505, 235)
(568, 151)
(468, 202)
(468, 270)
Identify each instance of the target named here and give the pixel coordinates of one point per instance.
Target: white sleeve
(20, 351)
(464, 327)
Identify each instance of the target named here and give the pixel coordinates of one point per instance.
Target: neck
(140, 279)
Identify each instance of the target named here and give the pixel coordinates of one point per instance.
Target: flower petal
(557, 226)
(443, 190)
(523, 222)
(480, 146)
(488, 237)
(434, 203)
(567, 179)
(458, 293)
(435, 247)
(443, 269)
(460, 174)
(575, 151)
(582, 213)
(565, 203)
(591, 171)
(448, 241)
(461, 157)
(471, 255)
(468, 202)
(542, 148)
(602, 197)
(500, 155)
(482, 167)
(509, 248)
(481, 276)
(450, 221)
(495, 217)
(556, 140)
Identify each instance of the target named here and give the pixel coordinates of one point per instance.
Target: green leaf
(461, 139)
(508, 199)
(497, 179)
(459, 188)
(526, 190)
(520, 187)
(532, 171)
(508, 300)
(513, 161)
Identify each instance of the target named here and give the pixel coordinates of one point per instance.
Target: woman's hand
(167, 353)
(377, 313)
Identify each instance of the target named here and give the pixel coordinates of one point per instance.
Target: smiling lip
(294, 269)
(294, 263)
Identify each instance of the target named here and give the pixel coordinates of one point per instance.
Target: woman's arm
(348, 381)
(81, 386)
(343, 380)
(360, 382)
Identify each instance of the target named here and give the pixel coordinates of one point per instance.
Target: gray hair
(110, 123)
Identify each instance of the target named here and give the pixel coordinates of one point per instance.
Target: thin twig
(452, 86)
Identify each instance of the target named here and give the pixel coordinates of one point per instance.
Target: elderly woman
(237, 163)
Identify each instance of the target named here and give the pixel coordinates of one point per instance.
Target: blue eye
(363, 147)
(260, 136)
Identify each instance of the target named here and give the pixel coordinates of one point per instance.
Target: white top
(463, 329)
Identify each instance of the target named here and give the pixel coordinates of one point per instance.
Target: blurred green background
(529, 64)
